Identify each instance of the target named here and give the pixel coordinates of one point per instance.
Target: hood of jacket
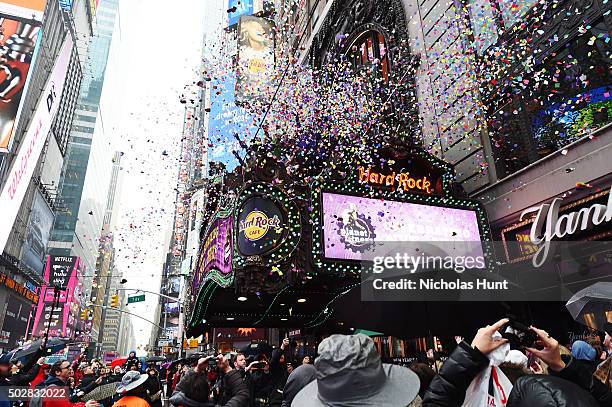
(54, 381)
(548, 391)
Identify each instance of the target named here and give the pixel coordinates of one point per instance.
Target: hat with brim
(400, 389)
(131, 380)
(350, 374)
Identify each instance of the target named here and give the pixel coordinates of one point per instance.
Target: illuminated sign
(215, 260)
(376, 220)
(260, 226)
(393, 180)
(257, 224)
(548, 225)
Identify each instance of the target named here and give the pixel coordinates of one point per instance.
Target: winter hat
(583, 351)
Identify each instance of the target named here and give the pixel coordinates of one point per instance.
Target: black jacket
(235, 392)
(548, 391)
(20, 379)
(448, 388)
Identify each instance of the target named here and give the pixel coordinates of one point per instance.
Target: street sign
(136, 298)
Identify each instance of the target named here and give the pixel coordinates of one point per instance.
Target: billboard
(16, 318)
(216, 252)
(352, 225)
(26, 9)
(237, 9)
(17, 43)
(261, 226)
(255, 58)
(64, 275)
(32, 144)
(227, 119)
(37, 235)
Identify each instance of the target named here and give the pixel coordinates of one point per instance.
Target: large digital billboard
(352, 226)
(17, 44)
(37, 235)
(216, 252)
(255, 58)
(26, 9)
(20, 173)
(237, 9)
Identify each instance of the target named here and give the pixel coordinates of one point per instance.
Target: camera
(518, 335)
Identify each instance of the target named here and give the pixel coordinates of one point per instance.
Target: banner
(37, 235)
(26, 9)
(17, 44)
(60, 270)
(216, 253)
(255, 58)
(32, 144)
(239, 8)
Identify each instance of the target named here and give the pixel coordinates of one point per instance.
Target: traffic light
(115, 301)
(84, 314)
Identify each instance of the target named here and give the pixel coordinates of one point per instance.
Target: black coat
(235, 392)
(448, 388)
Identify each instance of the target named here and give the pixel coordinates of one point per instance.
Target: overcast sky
(159, 53)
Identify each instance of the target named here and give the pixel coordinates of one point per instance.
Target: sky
(158, 55)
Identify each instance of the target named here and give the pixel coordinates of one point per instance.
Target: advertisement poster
(227, 119)
(238, 9)
(60, 270)
(353, 225)
(17, 43)
(22, 169)
(37, 235)
(261, 225)
(216, 253)
(18, 312)
(26, 9)
(255, 58)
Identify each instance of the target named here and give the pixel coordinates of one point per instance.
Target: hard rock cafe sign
(395, 180)
(548, 225)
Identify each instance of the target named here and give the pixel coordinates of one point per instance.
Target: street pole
(103, 317)
(56, 295)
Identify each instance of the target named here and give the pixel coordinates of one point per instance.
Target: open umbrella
(590, 305)
(118, 362)
(154, 359)
(102, 392)
(54, 345)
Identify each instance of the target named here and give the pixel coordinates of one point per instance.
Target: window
(370, 50)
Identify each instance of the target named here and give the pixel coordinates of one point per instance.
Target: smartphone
(518, 335)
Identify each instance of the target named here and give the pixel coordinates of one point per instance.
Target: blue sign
(243, 8)
(65, 4)
(225, 120)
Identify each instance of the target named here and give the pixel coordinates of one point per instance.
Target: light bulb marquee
(391, 185)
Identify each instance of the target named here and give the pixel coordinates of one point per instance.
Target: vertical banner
(17, 45)
(37, 235)
(255, 58)
(32, 144)
(61, 271)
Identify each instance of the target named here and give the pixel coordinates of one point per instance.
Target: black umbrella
(154, 359)
(176, 362)
(590, 305)
(54, 345)
(256, 349)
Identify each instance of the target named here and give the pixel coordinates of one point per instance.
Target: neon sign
(396, 181)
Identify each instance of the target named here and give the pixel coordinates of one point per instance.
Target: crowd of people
(347, 371)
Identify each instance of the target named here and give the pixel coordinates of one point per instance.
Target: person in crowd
(233, 391)
(176, 377)
(154, 387)
(297, 380)
(260, 381)
(278, 370)
(193, 390)
(569, 384)
(425, 374)
(131, 360)
(133, 390)
(89, 381)
(306, 360)
(350, 373)
(585, 355)
(59, 376)
(516, 365)
(432, 361)
(240, 363)
(22, 376)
